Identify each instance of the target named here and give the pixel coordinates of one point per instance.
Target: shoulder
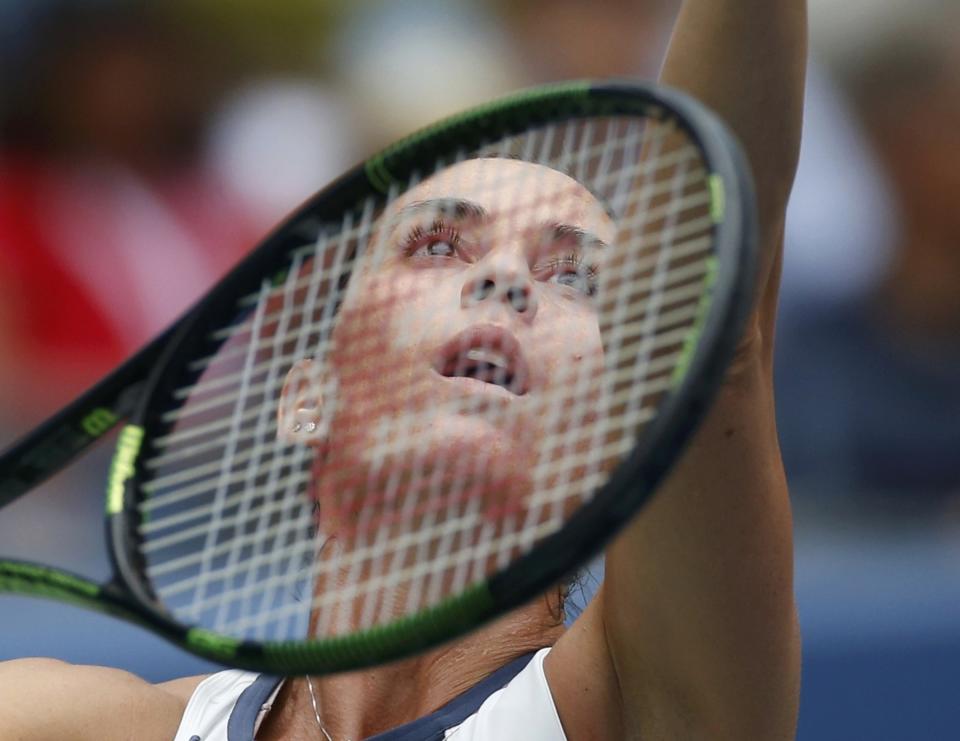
(47, 699)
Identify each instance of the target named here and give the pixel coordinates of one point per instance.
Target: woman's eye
(437, 240)
(436, 248)
(575, 275)
(574, 279)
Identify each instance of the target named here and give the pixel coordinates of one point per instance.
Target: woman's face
(469, 334)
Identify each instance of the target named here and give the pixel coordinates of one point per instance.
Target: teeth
(491, 357)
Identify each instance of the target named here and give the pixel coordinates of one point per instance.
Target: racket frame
(128, 392)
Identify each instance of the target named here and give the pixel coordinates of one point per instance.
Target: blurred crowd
(868, 360)
(144, 147)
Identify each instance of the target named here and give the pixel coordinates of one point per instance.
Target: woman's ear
(306, 403)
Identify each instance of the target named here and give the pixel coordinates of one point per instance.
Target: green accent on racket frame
(33, 580)
(718, 198)
(122, 468)
(421, 630)
(693, 337)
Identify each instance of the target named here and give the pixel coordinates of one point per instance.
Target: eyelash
(575, 259)
(440, 231)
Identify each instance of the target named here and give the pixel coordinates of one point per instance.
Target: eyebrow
(459, 208)
(581, 236)
(466, 210)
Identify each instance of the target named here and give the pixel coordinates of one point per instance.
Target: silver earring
(311, 427)
(296, 427)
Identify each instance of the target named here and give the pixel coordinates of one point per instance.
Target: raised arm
(693, 634)
(746, 60)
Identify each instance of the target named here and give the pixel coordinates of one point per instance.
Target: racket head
(223, 559)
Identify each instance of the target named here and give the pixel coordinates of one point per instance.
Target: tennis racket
(439, 387)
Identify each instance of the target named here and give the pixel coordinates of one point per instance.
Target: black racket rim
(630, 486)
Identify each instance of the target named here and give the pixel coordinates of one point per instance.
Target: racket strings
(184, 483)
(569, 460)
(240, 537)
(694, 247)
(696, 200)
(678, 282)
(360, 235)
(324, 324)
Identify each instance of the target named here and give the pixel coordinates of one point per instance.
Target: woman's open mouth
(485, 353)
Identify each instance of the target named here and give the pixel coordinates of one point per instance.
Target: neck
(359, 704)
(384, 549)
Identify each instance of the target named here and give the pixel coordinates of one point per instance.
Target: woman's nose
(507, 280)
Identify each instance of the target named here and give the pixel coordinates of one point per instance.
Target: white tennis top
(512, 704)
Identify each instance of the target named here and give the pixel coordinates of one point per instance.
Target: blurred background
(144, 147)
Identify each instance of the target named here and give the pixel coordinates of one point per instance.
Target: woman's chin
(451, 465)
